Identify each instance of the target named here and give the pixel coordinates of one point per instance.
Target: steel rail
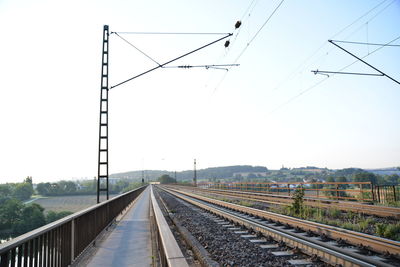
(358, 207)
(378, 244)
(319, 203)
(327, 253)
(170, 253)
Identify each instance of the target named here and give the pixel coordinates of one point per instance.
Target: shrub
(380, 229)
(334, 213)
(364, 224)
(392, 231)
(298, 200)
(351, 226)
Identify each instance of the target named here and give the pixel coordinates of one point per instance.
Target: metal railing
(386, 194)
(61, 242)
(169, 252)
(350, 191)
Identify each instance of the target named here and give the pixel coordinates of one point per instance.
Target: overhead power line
(251, 40)
(259, 30)
(249, 9)
(371, 18)
(366, 63)
(326, 78)
(170, 61)
(304, 62)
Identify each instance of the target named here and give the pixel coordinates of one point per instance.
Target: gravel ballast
(225, 247)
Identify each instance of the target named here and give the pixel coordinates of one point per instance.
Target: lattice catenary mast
(102, 181)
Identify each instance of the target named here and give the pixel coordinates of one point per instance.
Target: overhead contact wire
(326, 78)
(290, 76)
(248, 44)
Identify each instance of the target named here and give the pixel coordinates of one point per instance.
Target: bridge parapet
(169, 252)
(61, 242)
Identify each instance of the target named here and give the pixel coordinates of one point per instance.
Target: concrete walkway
(129, 244)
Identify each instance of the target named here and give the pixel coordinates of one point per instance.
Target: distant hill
(248, 172)
(347, 172)
(209, 173)
(385, 171)
(382, 171)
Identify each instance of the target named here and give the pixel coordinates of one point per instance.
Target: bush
(31, 218)
(351, 226)
(380, 229)
(334, 213)
(364, 224)
(392, 231)
(298, 200)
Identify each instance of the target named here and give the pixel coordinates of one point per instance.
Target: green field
(67, 203)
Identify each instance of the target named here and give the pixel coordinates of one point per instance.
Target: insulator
(238, 23)
(227, 43)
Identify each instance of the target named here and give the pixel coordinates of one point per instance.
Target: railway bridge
(128, 230)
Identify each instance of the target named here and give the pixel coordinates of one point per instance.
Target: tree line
(17, 217)
(85, 187)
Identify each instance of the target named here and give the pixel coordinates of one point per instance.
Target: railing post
(379, 194)
(337, 191)
(72, 240)
(4, 259)
(394, 193)
(372, 192)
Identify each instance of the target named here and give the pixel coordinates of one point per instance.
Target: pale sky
(50, 65)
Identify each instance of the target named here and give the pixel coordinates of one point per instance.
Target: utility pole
(142, 177)
(195, 175)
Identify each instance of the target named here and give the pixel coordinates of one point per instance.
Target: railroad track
(381, 211)
(331, 244)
